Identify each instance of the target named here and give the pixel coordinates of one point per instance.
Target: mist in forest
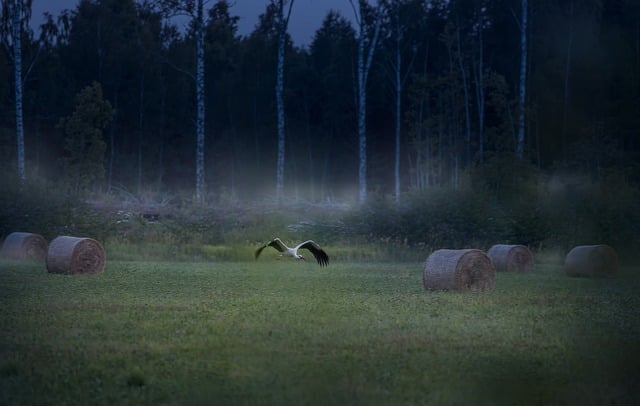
(525, 112)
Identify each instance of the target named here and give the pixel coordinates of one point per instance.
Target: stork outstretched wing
(321, 256)
(275, 243)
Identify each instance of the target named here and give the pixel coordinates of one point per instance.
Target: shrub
(437, 217)
(598, 213)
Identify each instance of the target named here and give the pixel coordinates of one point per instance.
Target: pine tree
(84, 145)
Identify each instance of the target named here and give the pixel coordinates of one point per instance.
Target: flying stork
(321, 256)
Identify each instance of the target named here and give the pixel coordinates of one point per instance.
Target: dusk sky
(306, 17)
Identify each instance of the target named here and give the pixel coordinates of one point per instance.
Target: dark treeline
(458, 63)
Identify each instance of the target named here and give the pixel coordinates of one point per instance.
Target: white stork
(318, 253)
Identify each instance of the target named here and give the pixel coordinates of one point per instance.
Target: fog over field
(459, 123)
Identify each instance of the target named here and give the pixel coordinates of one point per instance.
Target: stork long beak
(301, 257)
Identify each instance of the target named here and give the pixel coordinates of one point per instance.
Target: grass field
(285, 332)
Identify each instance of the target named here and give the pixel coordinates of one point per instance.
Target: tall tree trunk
(423, 150)
(465, 89)
(480, 89)
(234, 147)
(523, 80)
(112, 143)
(428, 165)
(362, 130)
(200, 185)
(324, 194)
(282, 31)
(421, 144)
(441, 118)
(399, 88)
(567, 76)
(398, 79)
(17, 64)
(140, 132)
(310, 143)
(363, 72)
(281, 123)
(161, 134)
(453, 117)
(419, 141)
(425, 110)
(256, 133)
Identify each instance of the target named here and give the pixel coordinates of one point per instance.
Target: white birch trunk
(480, 88)
(362, 129)
(200, 185)
(467, 114)
(398, 106)
(425, 110)
(312, 183)
(281, 118)
(282, 31)
(363, 71)
(398, 127)
(140, 131)
(17, 63)
(441, 128)
(523, 80)
(567, 95)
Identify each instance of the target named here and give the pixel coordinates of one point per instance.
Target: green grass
(244, 251)
(285, 332)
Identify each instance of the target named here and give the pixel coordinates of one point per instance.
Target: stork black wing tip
(323, 259)
(259, 251)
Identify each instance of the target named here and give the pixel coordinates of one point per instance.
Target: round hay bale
(75, 255)
(21, 245)
(511, 258)
(461, 270)
(591, 260)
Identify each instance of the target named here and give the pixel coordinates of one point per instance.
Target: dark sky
(306, 17)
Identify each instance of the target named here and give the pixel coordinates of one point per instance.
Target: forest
(501, 100)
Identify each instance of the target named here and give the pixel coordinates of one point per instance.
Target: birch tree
(199, 28)
(366, 47)
(399, 11)
(13, 12)
(147, 31)
(398, 86)
(479, 79)
(419, 97)
(523, 80)
(16, 17)
(195, 9)
(282, 23)
(465, 88)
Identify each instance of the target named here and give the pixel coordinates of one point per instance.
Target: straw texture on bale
(511, 258)
(461, 270)
(591, 260)
(75, 255)
(21, 245)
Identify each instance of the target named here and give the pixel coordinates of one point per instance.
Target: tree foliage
(459, 100)
(84, 143)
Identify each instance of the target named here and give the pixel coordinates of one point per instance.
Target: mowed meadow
(290, 332)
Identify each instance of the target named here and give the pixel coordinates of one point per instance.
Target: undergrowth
(469, 216)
